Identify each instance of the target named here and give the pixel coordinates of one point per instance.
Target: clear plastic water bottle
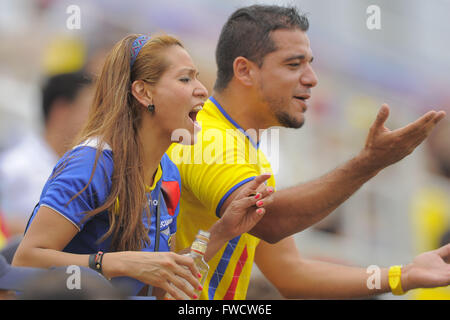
(198, 249)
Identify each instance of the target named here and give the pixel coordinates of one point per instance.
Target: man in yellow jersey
(264, 79)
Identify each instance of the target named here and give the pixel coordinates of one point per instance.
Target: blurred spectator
(66, 99)
(4, 234)
(56, 284)
(15, 278)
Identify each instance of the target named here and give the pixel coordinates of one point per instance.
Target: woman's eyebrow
(191, 71)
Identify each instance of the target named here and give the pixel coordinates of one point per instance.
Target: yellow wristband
(395, 282)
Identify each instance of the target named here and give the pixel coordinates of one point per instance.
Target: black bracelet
(95, 261)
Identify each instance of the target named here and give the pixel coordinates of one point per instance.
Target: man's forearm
(321, 280)
(297, 208)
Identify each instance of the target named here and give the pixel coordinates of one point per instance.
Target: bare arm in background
(298, 278)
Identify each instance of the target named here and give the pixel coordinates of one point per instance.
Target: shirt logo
(165, 223)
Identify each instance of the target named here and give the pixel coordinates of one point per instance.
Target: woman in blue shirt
(112, 201)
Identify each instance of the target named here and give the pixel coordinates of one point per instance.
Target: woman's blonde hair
(114, 119)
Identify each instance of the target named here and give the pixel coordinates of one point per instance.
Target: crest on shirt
(171, 193)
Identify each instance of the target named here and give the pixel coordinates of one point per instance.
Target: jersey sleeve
(72, 178)
(171, 186)
(221, 170)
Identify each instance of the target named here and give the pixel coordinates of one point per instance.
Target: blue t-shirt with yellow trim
(74, 176)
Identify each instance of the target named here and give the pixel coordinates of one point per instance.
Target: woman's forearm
(47, 258)
(216, 241)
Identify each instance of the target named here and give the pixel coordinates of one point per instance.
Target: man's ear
(244, 71)
(140, 91)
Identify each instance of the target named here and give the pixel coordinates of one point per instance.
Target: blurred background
(48, 59)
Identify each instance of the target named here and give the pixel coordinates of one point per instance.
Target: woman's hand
(245, 211)
(247, 208)
(165, 270)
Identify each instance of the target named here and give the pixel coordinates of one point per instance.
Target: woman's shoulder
(83, 157)
(169, 169)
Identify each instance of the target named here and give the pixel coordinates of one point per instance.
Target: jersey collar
(234, 123)
(156, 179)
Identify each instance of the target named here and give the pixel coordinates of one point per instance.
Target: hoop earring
(151, 108)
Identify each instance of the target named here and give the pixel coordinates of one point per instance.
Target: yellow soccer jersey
(223, 159)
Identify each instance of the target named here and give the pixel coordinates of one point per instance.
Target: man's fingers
(444, 251)
(419, 126)
(439, 116)
(382, 116)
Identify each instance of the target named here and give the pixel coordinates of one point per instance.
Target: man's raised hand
(385, 147)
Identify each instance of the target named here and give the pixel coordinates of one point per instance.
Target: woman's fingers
(252, 186)
(188, 269)
(182, 288)
(184, 277)
(174, 273)
(172, 291)
(263, 192)
(193, 283)
(259, 200)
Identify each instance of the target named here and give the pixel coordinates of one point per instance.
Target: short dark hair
(65, 85)
(247, 33)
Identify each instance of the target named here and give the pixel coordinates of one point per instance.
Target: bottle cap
(203, 235)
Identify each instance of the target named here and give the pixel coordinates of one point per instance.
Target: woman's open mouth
(193, 115)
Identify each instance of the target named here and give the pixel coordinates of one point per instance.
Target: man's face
(286, 77)
(80, 108)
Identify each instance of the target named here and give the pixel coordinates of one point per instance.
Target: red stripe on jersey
(229, 295)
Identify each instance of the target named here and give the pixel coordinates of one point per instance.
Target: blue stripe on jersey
(222, 267)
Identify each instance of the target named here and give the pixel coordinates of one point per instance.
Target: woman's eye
(185, 79)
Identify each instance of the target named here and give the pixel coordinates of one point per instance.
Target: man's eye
(293, 64)
(185, 79)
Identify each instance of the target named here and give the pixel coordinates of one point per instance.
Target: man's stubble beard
(287, 121)
(284, 118)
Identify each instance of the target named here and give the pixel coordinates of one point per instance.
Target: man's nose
(309, 77)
